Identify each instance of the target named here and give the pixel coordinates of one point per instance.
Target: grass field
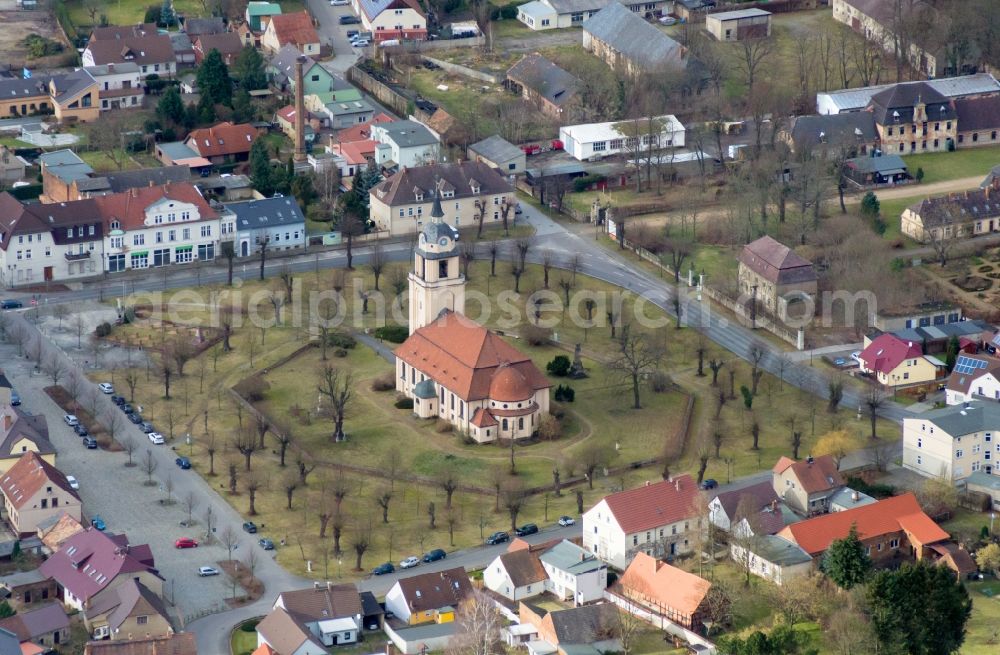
(126, 12)
(944, 166)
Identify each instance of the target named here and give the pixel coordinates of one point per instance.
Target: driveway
(332, 33)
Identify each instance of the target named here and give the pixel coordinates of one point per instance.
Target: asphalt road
(332, 33)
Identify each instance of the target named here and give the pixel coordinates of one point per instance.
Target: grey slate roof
(402, 188)
(113, 69)
(9, 643)
(885, 164)
(198, 26)
(496, 149)
(544, 78)
(634, 38)
(408, 134)
(958, 420)
(950, 87)
(902, 98)
(425, 389)
(834, 129)
(350, 107)
(575, 6)
(266, 212)
(177, 150)
(567, 556)
(123, 180)
(65, 165)
(780, 551)
(17, 88)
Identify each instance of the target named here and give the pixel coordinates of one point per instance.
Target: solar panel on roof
(968, 365)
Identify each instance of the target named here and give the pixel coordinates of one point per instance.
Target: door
(48, 273)
(244, 249)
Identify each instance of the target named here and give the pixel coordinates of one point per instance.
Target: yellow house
(894, 362)
(33, 492)
(20, 433)
(429, 597)
(75, 97)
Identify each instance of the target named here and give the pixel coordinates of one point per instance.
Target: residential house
(34, 490)
(954, 442)
(315, 78)
(183, 48)
(46, 625)
(404, 143)
(876, 20)
(223, 143)
(23, 588)
(914, 118)
(285, 120)
(542, 83)
(339, 112)
(294, 29)
(760, 507)
(892, 531)
(499, 153)
(773, 558)
(332, 614)
(585, 630)
(277, 222)
(195, 27)
(978, 121)
(20, 432)
(11, 166)
(228, 44)
(954, 88)
(973, 377)
(75, 97)
(874, 172)
(402, 203)
(176, 153)
(630, 45)
(54, 531)
(119, 86)
(138, 44)
(739, 25)
(833, 136)
(848, 498)
(259, 14)
(970, 334)
(392, 19)
(428, 597)
(806, 486)
(924, 314)
(940, 219)
(127, 611)
(776, 279)
(24, 97)
(92, 561)
(664, 590)
(108, 183)
(178, 644)
(593, 141)
(60, 169)
(551, 14)
(894, 362)
(516, 575)
(279, 634)
(353, 147)
(660, 519)
(573, 573)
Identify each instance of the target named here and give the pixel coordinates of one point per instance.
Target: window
(635, 540)
(186, 234)
(141, 620)
(116, 263)
(159, 237)
(116, 242)
(48, 251)
(69, 233)
(185, 216)
(206, 230)
(958, 454)
(140, 260)
(600, 146)
(920, 459)
(920, 443)
(894, 543)
(206, 251)
(91, 231)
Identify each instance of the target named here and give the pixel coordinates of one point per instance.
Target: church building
(454, 368)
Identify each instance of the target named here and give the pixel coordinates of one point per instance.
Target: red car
(185, 542)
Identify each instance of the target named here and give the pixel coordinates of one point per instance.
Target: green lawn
(984, 625)
(943, 166)
(243, 642)
(103, 164)
(127, 12)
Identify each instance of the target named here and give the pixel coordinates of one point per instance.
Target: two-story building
(953, 216)
(776, 279)
(328, 614)
(127, 611)
(21, 432)
(953, 442)
(119, 86)
(392, 19)
(563, 569)
(276, 222)
(405, 143)
(294, 29)
(973, 377)
(33, 491)
(139, 44)
(807, 486)
(665, 591)
(896, 362)
(913, 118)
(660, 519)
(429, 597)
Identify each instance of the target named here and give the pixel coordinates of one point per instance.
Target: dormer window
(419, 197)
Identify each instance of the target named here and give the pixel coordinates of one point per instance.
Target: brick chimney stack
(300, 111)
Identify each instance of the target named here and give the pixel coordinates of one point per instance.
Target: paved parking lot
(117, 493)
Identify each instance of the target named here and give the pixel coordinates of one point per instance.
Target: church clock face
(443, 241)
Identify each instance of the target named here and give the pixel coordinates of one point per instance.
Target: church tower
(436, 282)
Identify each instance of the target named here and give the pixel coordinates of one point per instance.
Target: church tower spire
(436, 282)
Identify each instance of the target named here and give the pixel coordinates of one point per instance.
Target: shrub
(340, 353)
(557, 412)
(565, 393)
(550, 429)
(581, 184)
(443, 427)
(404, 403)
(392, 333)
(873, 490)
(385, 382)
(508, 12)
(253, 388)
(250, 626)
(535, 335)
(153, 14)
(341, 340)
(103, 330)
(659, 381)
(559, 366)
(919, 175)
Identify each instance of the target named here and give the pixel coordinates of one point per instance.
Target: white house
(564, 570)
(278, 222)
(284, 635)
(974, 377)
(635, 138)
(392, 19)
(404, 143)
(516, 575)
(724, 509)
(660, 519)
(551, 14)
(954, 442)
(119, 85)
(773, 558)
(330, 614)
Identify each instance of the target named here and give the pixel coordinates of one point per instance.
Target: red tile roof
(653, 505)
(129, 207)
(295, 29)
(887, 351)
(668, 586)
(896, 514)
(222, 139)
(464, 357)
(90, 560)
(361, 132)
(814, 476)
(27, 476)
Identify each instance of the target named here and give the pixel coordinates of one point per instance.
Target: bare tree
(337, 386)
(289, 483)
(390, 464)
(131, 380)
(114, 421)
(636, 359)
(447, 479)
(168, 488)
(149, 464)
(252, 483)
(54, 368)
(209, 522)
(382, 498)
(874, 398)
(478, 626)
(190, 502)
(246, 443)
(361, 540)
(514, 497)
(210, 448)
(230, 540)
(128, 445)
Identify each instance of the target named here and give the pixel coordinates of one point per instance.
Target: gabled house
(21, 433)
(659, 519)
(278, 222)
(894, 362)
(429, 597)
(332, 614)
(45, 625)
(630, 45)
(124, 612)
(807, 486)
(914, 118)
(954, 442)
(954, 216)
(228, 44)
(780, 281)
(892, 531)
(392, 19)
(223, 143)
(405, 143)
(92, 561)
(179, 644)
(139, 44)
(119, 86)
(542, 83)
(834, 136)
(587, 630)
(761, 509)
(573, 573)
(978, 121)
(259, 14)
(75, 97)
(499, 153)
(34, 490)
(516, 575)
(316, 79)
(11, 166)
(973, 377)
(665, 590)
(294, 29)
(24, 589)
(772, 557)
(279, 634)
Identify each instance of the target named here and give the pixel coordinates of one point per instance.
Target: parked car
(185, 542)
(435, 555)
(183, 462)
(135, 418)
(147, 427)
(70, 419)
(98, 523)
(518, 211)
(350, 20)
(382, 569)
(73, 483)
(106, 387)
(266, 544)
(10, 304)
(15, 399)
(409, 562)
(668, 20)
(497, 538)
(351, 34)
(205, 571)
(118, 400)
(526, 529)
(856, 356)
(126, 407)
(840, 361)
(360, 43)
(339, 3)
(80, 430)
(90, 443)
(710, 483)
(250, 527)
(567, 521)
(156, 438)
